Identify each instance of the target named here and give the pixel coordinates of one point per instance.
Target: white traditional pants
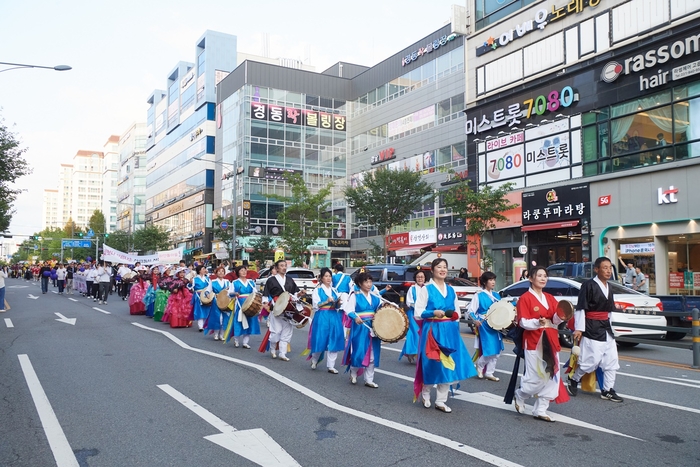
(369, 370)
(280, 331)
(442, 392)
(537, 383)
(330, 358)
(487, 365)
(597, 354)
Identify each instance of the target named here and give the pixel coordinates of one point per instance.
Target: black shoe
(572, 387)
(610, 395)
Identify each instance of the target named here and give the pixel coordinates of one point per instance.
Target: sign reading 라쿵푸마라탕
(556, 204)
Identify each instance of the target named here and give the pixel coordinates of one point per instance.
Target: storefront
(502, 245)
(651, 220)
(556, 224)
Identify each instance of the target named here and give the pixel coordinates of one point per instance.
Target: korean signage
(652, 60)
(513, 114)
(540, 21)
(450, 235)
(338, 243)
(383, 156)
(398, 240)
(294, 116)
(604, 200)
(429, 47)
(419, 237)
(271, 173)
(636, 248)
(556, 204)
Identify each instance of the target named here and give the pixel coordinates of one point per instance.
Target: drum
(500, 315)
(190, 276)
(390, 323)
(128, 276)
(252, 305)
(300, 318)
(565, 310)
(223, 300)
(206, 296)
(282, 303)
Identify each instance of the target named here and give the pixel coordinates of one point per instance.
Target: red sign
(675, 280)
(472, 251)
(383, 156)
(396, 241)
(604, 200)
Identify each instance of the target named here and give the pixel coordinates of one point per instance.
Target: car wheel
(627, 345)
(566, 339)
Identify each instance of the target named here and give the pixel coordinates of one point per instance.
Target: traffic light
(80, 234)
(106, 236)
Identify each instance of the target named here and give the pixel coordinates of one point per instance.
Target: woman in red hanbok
(179, 309)
(137, 292)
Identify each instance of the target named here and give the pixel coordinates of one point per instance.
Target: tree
(151, 238)
(304, 216)
(263, 249)
(480, 209)
(121, 240)
(226, 235)
(70, 229)
(97, 222)
(387, 198)
(12, 167)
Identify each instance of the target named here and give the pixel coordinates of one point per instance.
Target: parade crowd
(341, 313)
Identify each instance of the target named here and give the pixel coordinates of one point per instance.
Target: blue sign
(91, 233)
(76, 243)
(224, 225)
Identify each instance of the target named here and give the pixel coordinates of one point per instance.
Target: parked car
(678, 312)
(465, 290)
(400, 276)
(304, 278)
(638, 308)
(570, 270)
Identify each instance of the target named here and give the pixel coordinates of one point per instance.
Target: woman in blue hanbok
(201, 283)
(488, 343)
(326, 333)
(218, 320)
(410, 346)
(363, 348)
(240, 325)
(442, 359)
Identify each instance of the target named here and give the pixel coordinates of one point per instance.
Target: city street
(110, 389)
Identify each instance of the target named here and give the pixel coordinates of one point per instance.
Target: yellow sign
(279, 254)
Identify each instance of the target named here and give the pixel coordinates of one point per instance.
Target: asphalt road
(123, 390)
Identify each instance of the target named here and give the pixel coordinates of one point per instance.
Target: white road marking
(72, 299)
(62, 452)
(440, 440)
(63, 319)
(650, 378)
(255, 445)
(32, 296)
(8, 323)
(101, 311)
(53, 291)
(685, 379)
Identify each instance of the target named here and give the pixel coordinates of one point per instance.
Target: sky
(121, 51)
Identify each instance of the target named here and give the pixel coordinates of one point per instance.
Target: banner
(164, 257)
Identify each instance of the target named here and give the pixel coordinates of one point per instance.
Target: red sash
(599, 315)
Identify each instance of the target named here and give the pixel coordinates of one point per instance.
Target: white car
(635, 307)
(464, 289)
(304, 278)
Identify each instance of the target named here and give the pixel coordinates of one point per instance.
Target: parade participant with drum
(240, 325)
(410, 346)
(281, 329)
(219, 314)
(488, 342)
(326, 333)
(592, 324)
(442, 359)
(201, 285)
(539, 318)
(363, 348)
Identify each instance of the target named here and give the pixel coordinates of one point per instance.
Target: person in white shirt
(92, 285)
(3, 276)
(123, 288)
(61, 278)
(281, 329)
(104, 277)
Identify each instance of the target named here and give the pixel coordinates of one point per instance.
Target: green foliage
(12, 167)
(97, 222)
(480, 209)
(151, 238)
(121, 240)
(227, 235)
(376, 252)
(387, 198)
(304, 216)
(263, 249)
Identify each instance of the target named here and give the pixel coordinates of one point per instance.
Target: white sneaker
(216, 337)
(353, 379)
(284, 358)
(274, 353)
(479, 373)
(235, 344)
(519, 404)
(313, 364)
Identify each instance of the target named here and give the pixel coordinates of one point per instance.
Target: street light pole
(14, 66)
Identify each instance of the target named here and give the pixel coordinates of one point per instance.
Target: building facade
(110, 176)
(50, 218)
(131, 183)
(583, 107)
(335, 126)
(87, 182)
(180, 135)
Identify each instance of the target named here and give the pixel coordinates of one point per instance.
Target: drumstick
(371, 331)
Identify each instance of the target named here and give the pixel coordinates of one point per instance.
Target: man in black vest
(280, 328)
(592, 324)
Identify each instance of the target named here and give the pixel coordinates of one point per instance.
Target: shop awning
(202, 255)
(448, 247)
(550, 225)
(318, 252)
(411, 250)
(399, 247)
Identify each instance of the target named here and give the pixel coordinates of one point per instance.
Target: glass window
(381, 92)
(415, 77)
(311, 135)
(338, 137)
(457, 56)
(427, 70)
(363, 99)
(326, 102)
(326, 137)
(338, 104)
(293, 133)
(457, 103)
(293, 97)
(372, 97)
(276, 131)
(590, 169)
(443, 63)
(643, 103)
(277, 94)
(590, 144)
(444, 108)
(647, 131)
(293, 155)
(274, 210)
(201, 60)
(393, 86)
(258, 152)
(311, 100)
(444, 155)
(275, 153)
(258, 128)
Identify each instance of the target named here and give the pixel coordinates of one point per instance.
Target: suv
(399, 276)
(570, 270)
(304, 278)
